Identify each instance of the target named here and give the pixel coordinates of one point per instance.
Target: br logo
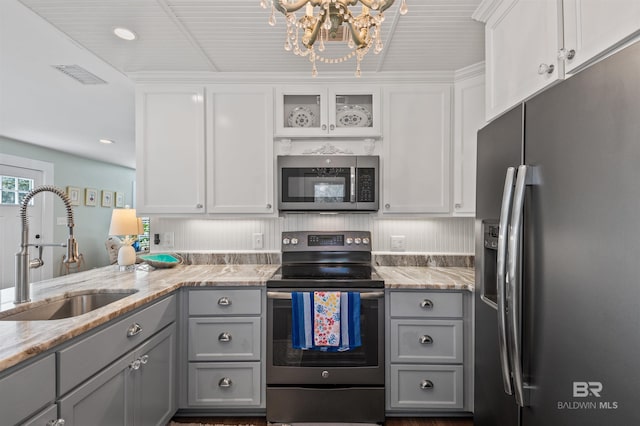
(585, 389)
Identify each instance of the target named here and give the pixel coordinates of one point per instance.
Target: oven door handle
(285, 295)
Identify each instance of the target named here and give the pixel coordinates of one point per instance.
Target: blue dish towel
(302, 315)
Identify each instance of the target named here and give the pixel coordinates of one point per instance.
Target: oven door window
(316, 185)
(284, 355)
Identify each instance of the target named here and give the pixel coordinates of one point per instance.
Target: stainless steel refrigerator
(557, 307)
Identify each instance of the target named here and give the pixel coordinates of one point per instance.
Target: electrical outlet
(168, 239)
(258, 241)
(398, 243)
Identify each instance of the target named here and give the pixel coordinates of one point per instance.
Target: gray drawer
(26, 391)
(44, 417)
(225, 302)
(427, 387)
(207, 384)
(224, 339)
(83, 359)
(425, 304)
(426, 341)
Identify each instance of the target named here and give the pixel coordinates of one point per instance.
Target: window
(143, 239)
(14, 189)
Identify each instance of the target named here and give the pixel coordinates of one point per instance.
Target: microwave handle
(353, 185)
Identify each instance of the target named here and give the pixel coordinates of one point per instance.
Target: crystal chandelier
(361, 32)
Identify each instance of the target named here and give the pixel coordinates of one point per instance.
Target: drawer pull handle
(134, 329)
(135, 365)
(426, 339)
(426, 304)
(224, 337)
(57, 422)
(224, 301)
(144, 359)
(426, 384)
(225, 382)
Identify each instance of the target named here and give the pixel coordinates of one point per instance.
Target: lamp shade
(124, 222)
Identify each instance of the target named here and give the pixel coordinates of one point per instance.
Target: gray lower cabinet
(137, 389)
(225, 344)
(25, 391)
(425, 356)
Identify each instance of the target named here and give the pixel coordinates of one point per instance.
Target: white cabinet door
(319, 111)
(417, 143)
(522, 42)
(591, 27)
(469, 116)
(240, 149)
(170, 144)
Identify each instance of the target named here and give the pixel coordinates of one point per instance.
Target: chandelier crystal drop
(328, 21)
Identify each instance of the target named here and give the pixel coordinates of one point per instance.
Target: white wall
(441, 235)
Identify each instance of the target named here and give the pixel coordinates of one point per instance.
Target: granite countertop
(24, 339)
(427, 277)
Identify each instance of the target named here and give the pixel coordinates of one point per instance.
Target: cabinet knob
(199, 206)
(426, 304)
(332, 127)
(144, 359)
(426, 384)
(425, 339)
(269, 206)
(225, 382)
(135, 365)
(56, 422)
(224, 337)
(387, 206)
(324, 127)
(545, 69)
(224, 301)
(566, 55)
(134, 329)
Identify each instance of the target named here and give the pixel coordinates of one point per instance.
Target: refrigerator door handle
(507, 196)
(515, 285)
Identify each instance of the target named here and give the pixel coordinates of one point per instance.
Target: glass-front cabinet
(302, 111)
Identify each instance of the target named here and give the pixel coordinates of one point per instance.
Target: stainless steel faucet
(23, 264)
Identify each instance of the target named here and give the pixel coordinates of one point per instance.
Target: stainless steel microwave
(328, 183)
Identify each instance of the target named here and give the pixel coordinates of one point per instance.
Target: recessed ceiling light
(106, 141)
(124, 33)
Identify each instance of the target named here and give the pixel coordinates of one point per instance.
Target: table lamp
(124, 223)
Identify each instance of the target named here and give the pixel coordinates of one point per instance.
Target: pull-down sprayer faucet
(23, 264)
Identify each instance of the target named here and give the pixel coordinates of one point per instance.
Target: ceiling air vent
(79, 74)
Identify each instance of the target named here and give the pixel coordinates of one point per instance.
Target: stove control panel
(326, 241)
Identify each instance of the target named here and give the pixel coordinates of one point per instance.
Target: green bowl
(161, 260)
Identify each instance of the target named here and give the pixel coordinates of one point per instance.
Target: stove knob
(294, 241)
(349, 241)
(325, 374)
(286, 241)
(365, 241)
(358, 240)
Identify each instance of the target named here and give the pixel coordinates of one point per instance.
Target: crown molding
(485, 9)
(471, 71)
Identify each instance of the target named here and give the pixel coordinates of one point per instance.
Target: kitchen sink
(69, 306)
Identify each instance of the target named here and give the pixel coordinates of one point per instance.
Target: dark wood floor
(390, 421)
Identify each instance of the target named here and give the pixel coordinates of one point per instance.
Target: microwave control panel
(366, 185)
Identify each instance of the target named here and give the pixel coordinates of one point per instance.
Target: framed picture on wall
(74, 195)
(107, 198)
(119, 199)
(90, 197)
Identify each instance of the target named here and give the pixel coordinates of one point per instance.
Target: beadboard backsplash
(441, 235)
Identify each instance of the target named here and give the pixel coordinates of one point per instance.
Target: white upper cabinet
(170, 147)
(591, 27)
(468, 116)
(522, 40)
(240, 149)
(318, 111)
(416, 146)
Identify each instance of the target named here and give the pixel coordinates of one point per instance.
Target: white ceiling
(40, 105)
